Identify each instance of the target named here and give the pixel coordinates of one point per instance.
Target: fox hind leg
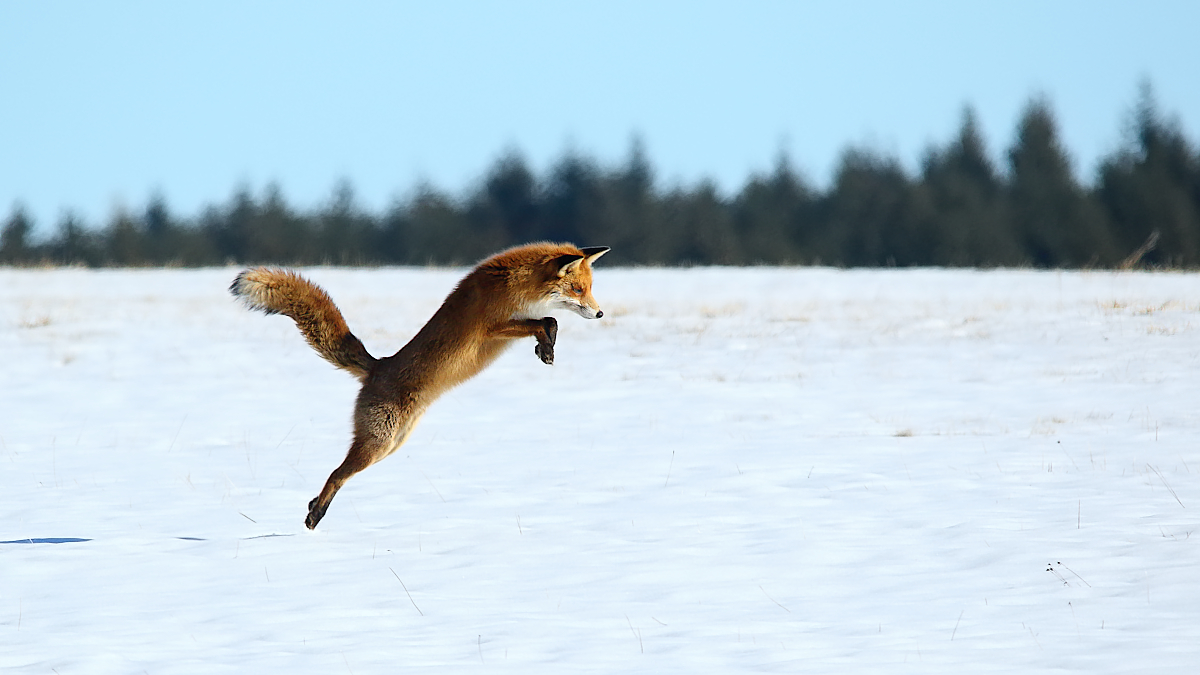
(377, 434)
(358, 458)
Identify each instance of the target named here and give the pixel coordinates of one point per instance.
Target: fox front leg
(545, 330)
(545, 340)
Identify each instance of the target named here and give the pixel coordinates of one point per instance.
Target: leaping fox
(504, 298)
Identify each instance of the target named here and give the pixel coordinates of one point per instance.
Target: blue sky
(105, 103)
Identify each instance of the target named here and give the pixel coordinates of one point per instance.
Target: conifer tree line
(959, 209)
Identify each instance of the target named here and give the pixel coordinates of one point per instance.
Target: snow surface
(736, 470)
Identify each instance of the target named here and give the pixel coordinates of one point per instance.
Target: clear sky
(104, 103)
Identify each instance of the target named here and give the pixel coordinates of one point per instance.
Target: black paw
(314, 514)
(545, 352)
(545, 347)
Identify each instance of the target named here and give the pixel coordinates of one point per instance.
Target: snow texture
(735, 470)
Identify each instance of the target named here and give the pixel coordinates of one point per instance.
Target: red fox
(504, 298)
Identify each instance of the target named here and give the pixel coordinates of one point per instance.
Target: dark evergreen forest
(1141, 209)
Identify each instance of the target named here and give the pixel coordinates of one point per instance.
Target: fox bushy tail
(279, 291)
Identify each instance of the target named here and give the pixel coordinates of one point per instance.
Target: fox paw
(545, 352)
(545, 346)
(315, 514)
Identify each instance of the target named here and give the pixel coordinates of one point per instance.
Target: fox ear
(594, 252)
(567, 264)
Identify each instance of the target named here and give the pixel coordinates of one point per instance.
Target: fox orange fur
(503, 299)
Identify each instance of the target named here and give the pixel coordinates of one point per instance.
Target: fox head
(571, 288)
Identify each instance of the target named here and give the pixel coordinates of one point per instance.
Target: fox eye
(578, 290)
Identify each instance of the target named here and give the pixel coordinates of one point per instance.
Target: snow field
(736, 470)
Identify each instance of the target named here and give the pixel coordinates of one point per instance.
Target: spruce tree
(631, 223)
(970, 224)
(774, 215)
(15, 248)
(507, 205)
(867, 213)
(1150, 186)
(1057, 225)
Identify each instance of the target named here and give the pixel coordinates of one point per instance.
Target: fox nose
(599, 313)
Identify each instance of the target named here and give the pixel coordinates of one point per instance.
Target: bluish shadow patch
(46, 540)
